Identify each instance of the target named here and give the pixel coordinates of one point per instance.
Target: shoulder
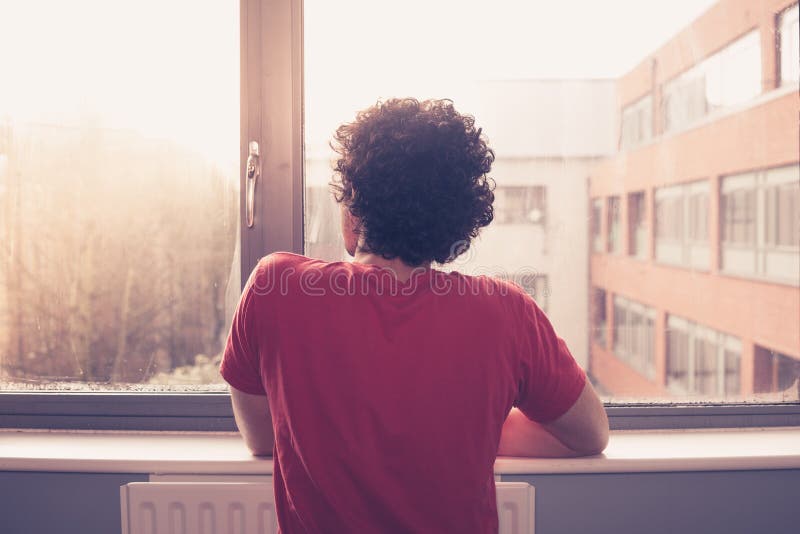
(282, 260)
(276, 270)
(492, 288)
(289, 274)
(285, 262)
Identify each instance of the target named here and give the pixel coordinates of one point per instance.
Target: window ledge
(225, 453)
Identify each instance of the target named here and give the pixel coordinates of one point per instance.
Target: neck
(400, 269)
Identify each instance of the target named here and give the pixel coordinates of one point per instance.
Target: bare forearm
(254, 421)
(259, 439)
(523, 437)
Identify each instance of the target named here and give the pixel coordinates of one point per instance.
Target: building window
(678, 359)
(697, 204)
(596, 223)
(738, 207)
(728, 78)
(637, 123)
(774, 372)
(637, 225)
(682, 224)
(599, 322)
(634, 327)
(613, 215)
(782, 215)
(521, 205)
(760, 224)
(789, 50)
(669, 215)
(701, 361)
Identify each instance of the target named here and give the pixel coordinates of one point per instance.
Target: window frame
(782, 23)
(271, 65)
(757, 183)
(685, 85)
(681, 198)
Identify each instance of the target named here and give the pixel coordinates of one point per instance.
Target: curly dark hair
(414, 174)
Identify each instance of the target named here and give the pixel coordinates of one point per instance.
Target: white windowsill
(225, 453)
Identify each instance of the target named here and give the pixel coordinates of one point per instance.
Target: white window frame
(721, 341)
(694, 253)
(627, 336)
(789, 46)
(759, 260)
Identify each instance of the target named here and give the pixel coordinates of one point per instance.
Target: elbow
(595, 444)
(258, 449)
(259, 445)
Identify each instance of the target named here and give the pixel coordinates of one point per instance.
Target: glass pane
(789, 46)
(119, 147)
(675, 116)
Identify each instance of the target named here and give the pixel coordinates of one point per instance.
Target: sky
(357, 51)
(170, 68)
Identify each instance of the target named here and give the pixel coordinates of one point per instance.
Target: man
(385, 388)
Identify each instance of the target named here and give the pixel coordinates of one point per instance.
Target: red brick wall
(765, 134)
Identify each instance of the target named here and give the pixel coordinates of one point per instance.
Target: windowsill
(757, 277)
(225, 453)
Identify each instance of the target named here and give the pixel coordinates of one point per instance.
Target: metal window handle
(253, 171)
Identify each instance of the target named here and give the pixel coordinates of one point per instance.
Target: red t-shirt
(388, 397)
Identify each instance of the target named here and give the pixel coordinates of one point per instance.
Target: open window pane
(650, 179)
(119, 150)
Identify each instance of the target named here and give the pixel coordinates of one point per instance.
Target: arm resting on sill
(254, 421)
(581, 431)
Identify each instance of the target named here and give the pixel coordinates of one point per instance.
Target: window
(781, 215)
(678, 358)
(702, 361)
(596, 225)
(612, 212)
(637, 123)
(634, 341)
(669, 215)
(739, 214)
(599, 316)
(682, 225)
(760, 224)
(775, 372)
(117, 155)
(727, 78)
(637, 225)
(323, 236)
(119, 195)
(789, 46)
(520, 205)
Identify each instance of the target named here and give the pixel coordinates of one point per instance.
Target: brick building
(694, 260)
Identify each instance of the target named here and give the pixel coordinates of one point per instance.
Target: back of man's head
(414, 175)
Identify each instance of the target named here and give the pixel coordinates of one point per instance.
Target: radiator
(235, 505)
